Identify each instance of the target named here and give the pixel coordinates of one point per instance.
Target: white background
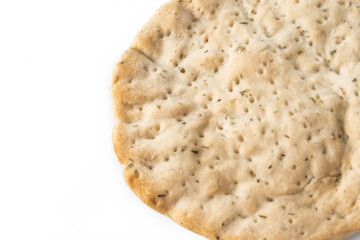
(59, 177)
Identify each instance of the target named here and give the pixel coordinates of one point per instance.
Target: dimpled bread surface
(240, 119)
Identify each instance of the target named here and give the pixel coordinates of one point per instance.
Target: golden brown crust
(239, 119)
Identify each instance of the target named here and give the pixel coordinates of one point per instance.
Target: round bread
(240, 119)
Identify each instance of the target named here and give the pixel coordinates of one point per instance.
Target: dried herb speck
(243, 92)
(333, 134)
(195, 151)
(161, 195)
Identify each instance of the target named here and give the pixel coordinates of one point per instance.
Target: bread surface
(240, 119)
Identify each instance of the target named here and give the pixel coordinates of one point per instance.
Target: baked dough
(240, 120)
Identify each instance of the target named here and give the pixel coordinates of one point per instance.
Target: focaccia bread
(240, 119)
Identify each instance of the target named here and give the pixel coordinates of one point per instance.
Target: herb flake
(195, 151)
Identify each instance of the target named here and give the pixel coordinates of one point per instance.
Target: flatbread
(240, 119)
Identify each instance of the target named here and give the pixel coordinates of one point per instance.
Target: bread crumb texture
(240, 119)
